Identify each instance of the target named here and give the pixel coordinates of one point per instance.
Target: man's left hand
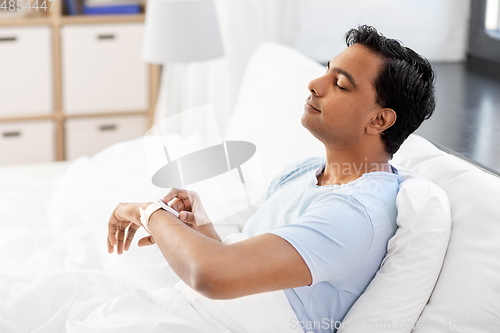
(126, 215)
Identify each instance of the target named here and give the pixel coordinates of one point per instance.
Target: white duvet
(56, 274)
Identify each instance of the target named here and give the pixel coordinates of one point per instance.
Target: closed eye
(337, 84)
(336, 80)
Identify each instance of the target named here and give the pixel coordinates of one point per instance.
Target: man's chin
(307, 119)
(307, 125)
(303, 120)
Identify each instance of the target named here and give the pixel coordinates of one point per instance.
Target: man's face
(343, 100)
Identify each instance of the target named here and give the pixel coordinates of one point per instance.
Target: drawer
(26, 85)
(88, 136)
(102, 68)
(27, 142)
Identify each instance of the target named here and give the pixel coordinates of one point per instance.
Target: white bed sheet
(36, 170)
(56, 274)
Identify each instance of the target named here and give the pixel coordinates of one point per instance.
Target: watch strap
(146, 214)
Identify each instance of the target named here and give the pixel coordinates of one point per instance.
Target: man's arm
(259, 264)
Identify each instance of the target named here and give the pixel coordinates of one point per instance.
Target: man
(332, 216)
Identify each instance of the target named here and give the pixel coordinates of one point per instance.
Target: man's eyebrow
(342, 72)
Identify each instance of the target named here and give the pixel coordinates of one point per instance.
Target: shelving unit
(56, 20)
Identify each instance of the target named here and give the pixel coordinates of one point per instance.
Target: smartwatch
(146, 213)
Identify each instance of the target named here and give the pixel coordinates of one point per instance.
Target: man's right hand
(191, 211)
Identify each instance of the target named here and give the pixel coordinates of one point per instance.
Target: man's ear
(384, 119)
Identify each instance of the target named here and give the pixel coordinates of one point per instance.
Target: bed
(58, 277)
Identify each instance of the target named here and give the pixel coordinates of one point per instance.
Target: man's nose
(314, 87)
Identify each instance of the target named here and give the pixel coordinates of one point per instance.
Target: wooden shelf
(56, 19)
(96, 19)
(106, 114)
(67, 19)
(29, 21)
(25, 118)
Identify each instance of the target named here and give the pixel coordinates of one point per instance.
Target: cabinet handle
(103, 128)
(11, 134)
(106, 37)
(7, 39)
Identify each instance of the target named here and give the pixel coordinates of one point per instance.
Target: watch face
(168, 208)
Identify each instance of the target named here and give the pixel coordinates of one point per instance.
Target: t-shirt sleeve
(332, 236)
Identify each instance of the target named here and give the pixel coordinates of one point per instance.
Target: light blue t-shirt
(341, 232)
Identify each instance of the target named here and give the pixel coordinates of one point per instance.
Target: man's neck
(345, 166)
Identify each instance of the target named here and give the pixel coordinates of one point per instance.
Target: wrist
(145, 210)
(160, 216)
(153, 218)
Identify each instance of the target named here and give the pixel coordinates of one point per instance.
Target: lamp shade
(181, 31)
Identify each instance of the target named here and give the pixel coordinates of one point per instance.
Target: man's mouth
(308, 103)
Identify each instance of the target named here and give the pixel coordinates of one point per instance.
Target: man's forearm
(187, 251)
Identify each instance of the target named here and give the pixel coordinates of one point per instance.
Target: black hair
(405, 83)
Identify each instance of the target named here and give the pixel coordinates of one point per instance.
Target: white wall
(437, 29)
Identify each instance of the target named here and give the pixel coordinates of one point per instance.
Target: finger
(177, 204)
(148, 240)
(120, 236)
(112, 227)
(175, 193)
(130, 235)
(192, 193)
(195, 201)
(187, 204)
(110, 247)
(187, 217)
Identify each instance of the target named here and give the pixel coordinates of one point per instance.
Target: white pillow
(466, 296)
(269, 108)
(397, 295)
